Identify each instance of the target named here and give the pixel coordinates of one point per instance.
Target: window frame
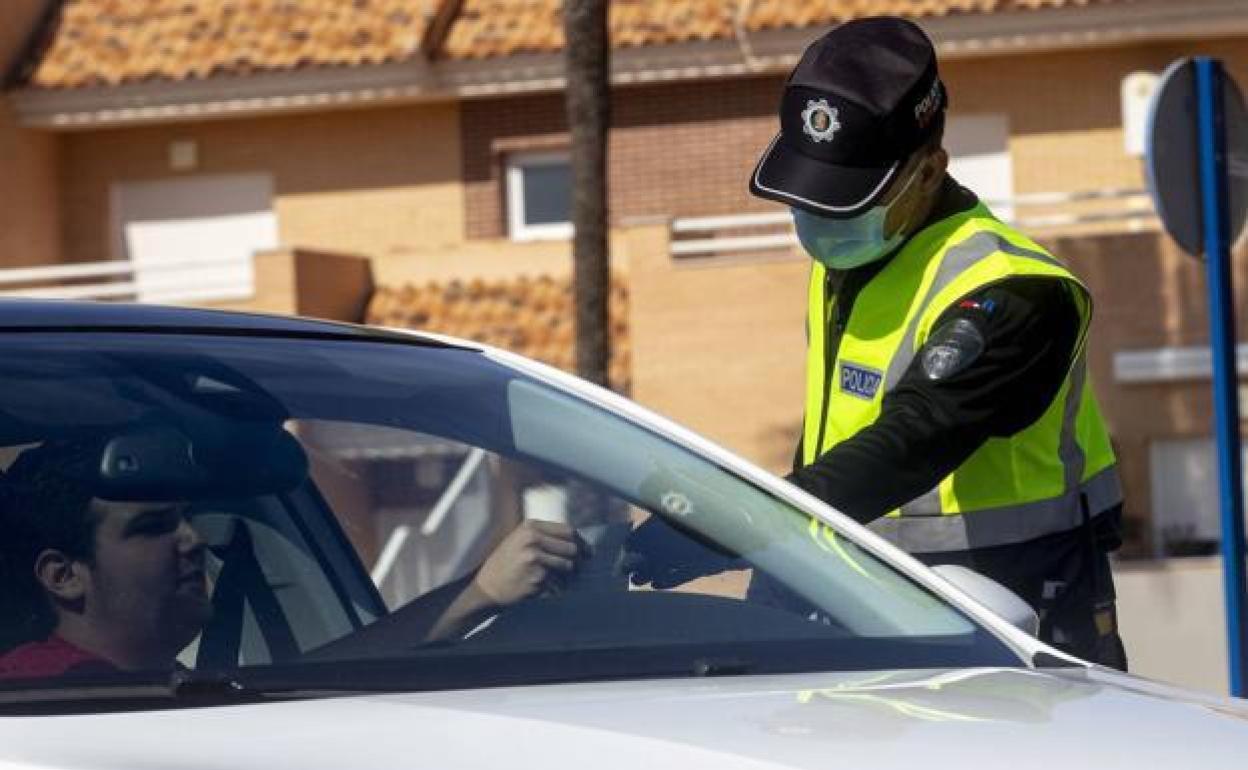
(514, 168)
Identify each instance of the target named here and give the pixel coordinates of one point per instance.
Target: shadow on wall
(777, 444)
(1147, 293)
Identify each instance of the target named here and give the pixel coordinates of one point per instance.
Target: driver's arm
(536, 556)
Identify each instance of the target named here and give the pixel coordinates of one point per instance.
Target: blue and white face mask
(843, 244)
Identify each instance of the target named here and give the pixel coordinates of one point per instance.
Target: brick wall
(366, 182)
(688, 149)
(719, 346)
(1148, 294)
(29, 217)
(676, 150)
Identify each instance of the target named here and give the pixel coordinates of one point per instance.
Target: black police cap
(862, 99)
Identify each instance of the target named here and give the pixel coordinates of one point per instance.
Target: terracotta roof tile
(488, 28)
(110, 42)
(529, 316)
(776, 14)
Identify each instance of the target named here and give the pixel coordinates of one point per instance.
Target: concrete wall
(29, 198)
(1172, 620)
(309, 283)
(719, 346)
(489, 260)
(362, 181)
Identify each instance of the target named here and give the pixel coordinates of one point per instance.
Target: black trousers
(1066, 578)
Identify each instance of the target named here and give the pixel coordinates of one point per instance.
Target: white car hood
(959, 719)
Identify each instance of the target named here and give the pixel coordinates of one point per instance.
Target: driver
(89, 585)
(97, 585)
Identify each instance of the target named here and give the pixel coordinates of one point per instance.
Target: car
(335, 491)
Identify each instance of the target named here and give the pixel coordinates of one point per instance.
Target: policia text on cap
(947, 397)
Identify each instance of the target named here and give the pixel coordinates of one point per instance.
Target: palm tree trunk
(588, 64)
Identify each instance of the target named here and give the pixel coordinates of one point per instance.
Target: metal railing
(1034, 213)
(1119, 205)
(399, 537)
(186, 280)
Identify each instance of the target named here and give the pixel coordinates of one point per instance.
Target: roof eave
(224, 96)
(770, 52)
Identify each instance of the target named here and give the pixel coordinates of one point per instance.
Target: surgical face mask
(843, 244)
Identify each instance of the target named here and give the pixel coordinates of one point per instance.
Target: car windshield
(402, 515)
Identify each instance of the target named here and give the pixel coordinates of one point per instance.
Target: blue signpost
(1213, 194)
(1202, 207)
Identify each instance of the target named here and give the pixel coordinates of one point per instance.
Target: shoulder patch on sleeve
(952, 347)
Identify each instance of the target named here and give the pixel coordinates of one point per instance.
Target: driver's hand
(660, 555)
(536, 556)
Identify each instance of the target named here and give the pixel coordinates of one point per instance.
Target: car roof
(76, 315)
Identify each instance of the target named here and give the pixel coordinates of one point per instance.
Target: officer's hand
(536, 556)
(660, 555)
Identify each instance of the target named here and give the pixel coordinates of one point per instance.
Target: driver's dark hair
(43, 505)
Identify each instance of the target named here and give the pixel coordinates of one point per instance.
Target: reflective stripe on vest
(1046, 478)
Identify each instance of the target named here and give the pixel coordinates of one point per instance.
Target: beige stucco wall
(719, 346)
(29, 217)
(1064, 108)
(304, 282)
(372, 182)
(488, 260)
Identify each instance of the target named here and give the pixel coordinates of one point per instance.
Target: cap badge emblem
(819, 121)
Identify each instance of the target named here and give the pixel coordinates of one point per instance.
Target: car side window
(423, 511)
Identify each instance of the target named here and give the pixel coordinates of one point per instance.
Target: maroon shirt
(50, 658)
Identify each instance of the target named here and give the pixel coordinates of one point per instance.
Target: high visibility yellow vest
(1041, 480)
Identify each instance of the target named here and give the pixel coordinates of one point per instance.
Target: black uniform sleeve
(992, 365)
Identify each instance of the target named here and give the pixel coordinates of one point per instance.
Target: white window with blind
(539, 196)
(1187, 516)
(979, 158)
(194, 238)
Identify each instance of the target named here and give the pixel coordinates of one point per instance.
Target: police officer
(947, 399)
